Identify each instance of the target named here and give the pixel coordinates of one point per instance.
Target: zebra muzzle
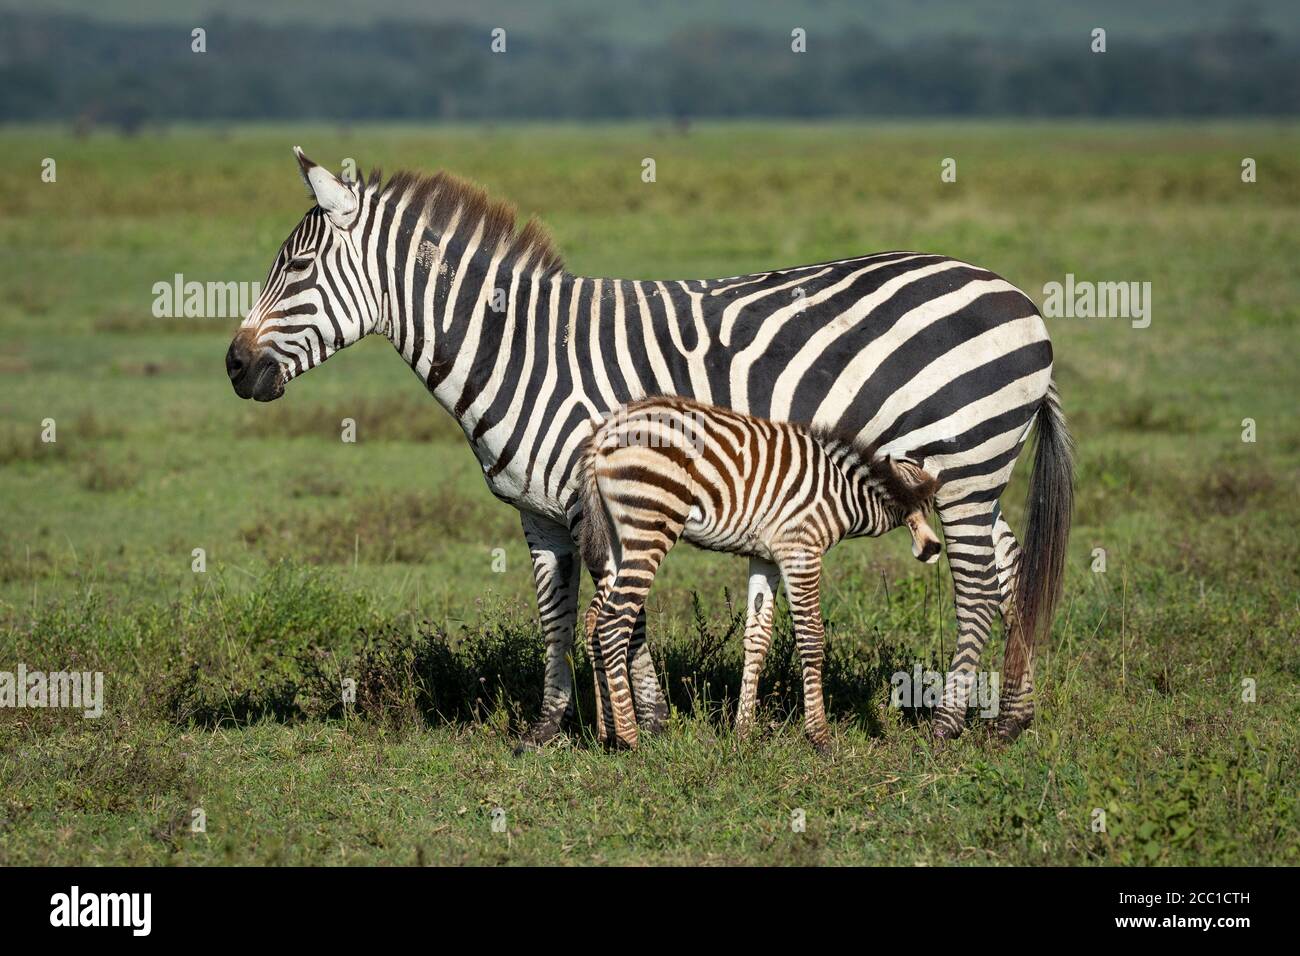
(253, 375)
(926, 546)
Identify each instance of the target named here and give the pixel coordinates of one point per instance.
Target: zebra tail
(1049, 511)
(594, 536)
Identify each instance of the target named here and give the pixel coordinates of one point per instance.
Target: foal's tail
(594, 534)
(1049, 510)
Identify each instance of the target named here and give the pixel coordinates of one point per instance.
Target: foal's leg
(651, 704)
(761, 603)
(802, 573)
(604, 715)
(641, 555)
(614, 625)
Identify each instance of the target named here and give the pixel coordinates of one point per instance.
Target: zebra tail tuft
(1049, 512)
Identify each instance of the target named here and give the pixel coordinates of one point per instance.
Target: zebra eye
(301, 264)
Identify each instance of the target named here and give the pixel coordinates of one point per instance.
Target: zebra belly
(704, 530)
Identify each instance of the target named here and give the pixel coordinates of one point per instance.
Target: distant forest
(126, 74)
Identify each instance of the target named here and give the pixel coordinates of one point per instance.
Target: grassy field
(375, 560)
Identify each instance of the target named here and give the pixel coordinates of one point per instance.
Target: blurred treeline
(125, 74)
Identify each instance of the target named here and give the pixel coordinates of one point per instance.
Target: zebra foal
(662, 469)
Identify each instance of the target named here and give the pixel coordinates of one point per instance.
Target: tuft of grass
(130, 321)
(1232, 487)
(378, 528)
(19, 445)
(26, 444)
(403, 415)
(99, 474)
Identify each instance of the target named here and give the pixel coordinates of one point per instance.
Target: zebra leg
(802, 573)
(1016, 708)
(555, 575)
(967, 533)
(639, 560)
(604, 715)
(651, 705)
(763, 579)
(614, 625)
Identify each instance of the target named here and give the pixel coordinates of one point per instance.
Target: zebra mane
(866, 451)
(442, 194)
(912, 487)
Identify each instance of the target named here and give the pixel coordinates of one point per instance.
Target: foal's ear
(333, 196)
(919, 482)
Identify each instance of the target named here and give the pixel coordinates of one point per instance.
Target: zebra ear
(338, 201)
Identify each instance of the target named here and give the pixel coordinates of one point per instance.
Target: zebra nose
(237, 360)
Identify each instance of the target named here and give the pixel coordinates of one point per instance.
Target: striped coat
(663, 469)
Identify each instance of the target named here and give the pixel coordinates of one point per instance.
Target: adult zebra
(913, 352)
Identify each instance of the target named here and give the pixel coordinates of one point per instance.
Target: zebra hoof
(653, 724)
(944, 733)
(531, 744)
(653, 719)
(536, 737)
(1010, 729)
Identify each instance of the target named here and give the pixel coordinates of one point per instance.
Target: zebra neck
(482, 338)
(438, 310)
(518, 357)
(856, 488)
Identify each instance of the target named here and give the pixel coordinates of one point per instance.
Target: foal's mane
(442, 194)
(912, 495)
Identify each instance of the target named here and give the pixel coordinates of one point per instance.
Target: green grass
(374, 561)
